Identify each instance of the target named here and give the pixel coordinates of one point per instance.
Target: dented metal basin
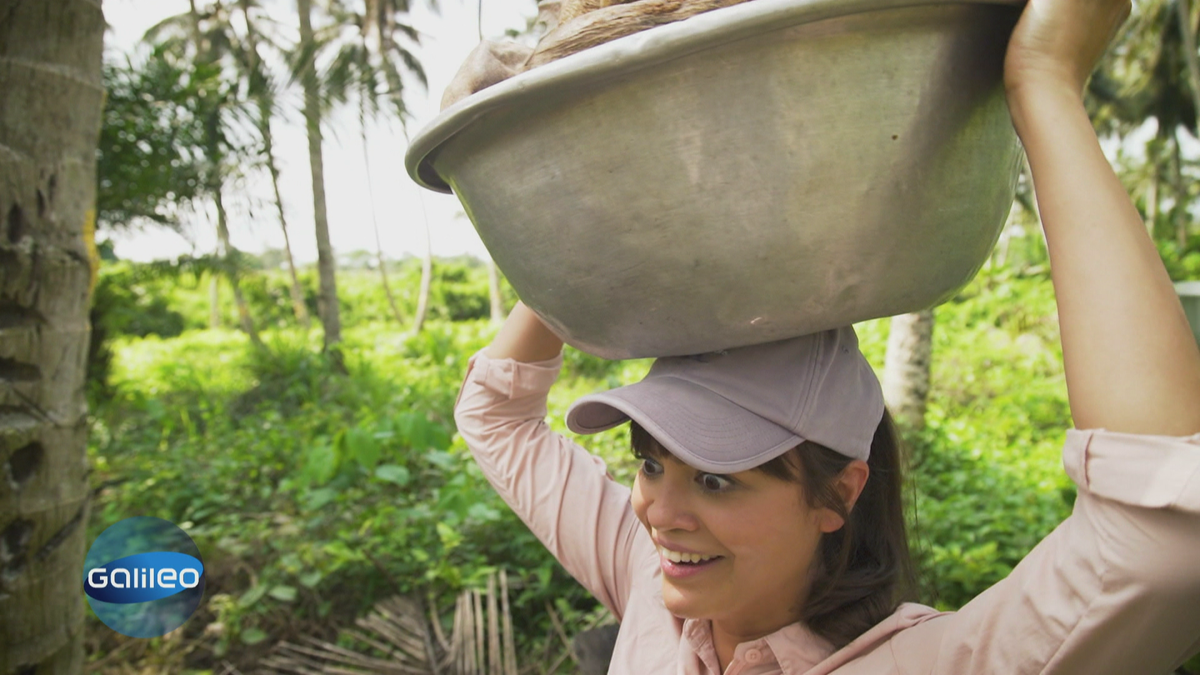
(750, 174)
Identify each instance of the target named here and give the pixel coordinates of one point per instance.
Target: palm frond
(172, 26)
(398, 637)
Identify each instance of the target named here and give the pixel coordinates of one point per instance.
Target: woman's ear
(849, 485)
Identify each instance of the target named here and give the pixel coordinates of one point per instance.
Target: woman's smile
(682, 565)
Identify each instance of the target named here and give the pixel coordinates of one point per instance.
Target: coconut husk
(572, 26)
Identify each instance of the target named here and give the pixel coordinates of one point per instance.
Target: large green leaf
(393, 473)
(320, 462)
(362, 446)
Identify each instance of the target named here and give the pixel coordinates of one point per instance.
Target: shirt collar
(795, 647)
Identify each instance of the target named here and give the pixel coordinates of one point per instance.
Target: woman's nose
(667, 505)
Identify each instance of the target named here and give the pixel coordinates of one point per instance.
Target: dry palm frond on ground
(399, 638)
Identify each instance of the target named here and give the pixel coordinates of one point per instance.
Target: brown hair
(863, 570)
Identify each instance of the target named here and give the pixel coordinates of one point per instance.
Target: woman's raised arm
(559, 490)
(1131, 362)
(524, 337)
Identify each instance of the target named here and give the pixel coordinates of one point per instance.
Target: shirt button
(753, 656)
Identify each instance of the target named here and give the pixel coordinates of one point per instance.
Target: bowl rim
(630, 53)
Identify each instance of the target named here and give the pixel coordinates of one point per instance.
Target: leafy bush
(1183, 264)
(986, 478)
(299, 484)
(127, 301)
(134, 300)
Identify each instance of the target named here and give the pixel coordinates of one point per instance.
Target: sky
(400, 205)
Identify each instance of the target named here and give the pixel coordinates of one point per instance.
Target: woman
(762, 534)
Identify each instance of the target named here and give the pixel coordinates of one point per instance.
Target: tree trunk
(999, 256)
(426, 282)
(229, 261)
(1187, 32)
(214, 297)
(1180, 212)
(264, 99)
(494, 291)
(906, 369)
(387, 288)
(327, 300)
(297, 291)
(50, 56)
(1152, 199)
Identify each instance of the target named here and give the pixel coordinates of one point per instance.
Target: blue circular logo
(143, 577)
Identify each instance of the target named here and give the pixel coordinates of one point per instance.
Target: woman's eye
(650, 467)
(714, 483)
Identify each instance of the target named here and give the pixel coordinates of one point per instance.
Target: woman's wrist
(1041, 100)
(524, 337)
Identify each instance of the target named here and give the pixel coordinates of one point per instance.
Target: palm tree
(1150, 73)
(369, 66)
(1187, 35)
(262, 90)
(906, 371)
(204, 41)
(51, 54)
(209, 47)
(496, 300)
(426, 274)
(327, 299)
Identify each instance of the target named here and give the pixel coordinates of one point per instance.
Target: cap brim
(698, 427)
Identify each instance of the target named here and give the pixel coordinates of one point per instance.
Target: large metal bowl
(753, 173)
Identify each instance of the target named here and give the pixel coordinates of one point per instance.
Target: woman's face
(751, 539)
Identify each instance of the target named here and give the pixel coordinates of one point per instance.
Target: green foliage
(151, 144)
(128, 300)
(319, 483)
(986, 479)
(459, 292)
(136, 300)
(1182, 264)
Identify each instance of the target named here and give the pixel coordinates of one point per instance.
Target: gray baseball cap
(736, 409)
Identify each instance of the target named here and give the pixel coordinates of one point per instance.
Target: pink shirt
(1115, 589)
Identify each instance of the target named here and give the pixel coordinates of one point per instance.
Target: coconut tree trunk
(214, 298)
(494, 291)
(327, 300)
(216, 188)
(1152, 199)
(263, 97)
(1180, 212)
(1187, 32)
(906, 369)
(50, 56)
(383, 277)
(229, 260)
(1000, 254)
(214, 283)
(426, 282)
(297, 291)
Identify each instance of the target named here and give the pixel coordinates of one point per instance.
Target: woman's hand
(1057, 43)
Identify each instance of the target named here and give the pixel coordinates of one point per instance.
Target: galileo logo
(143, 577)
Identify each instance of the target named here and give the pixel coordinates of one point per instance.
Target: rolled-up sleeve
(1115, 589)
(561, 491)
